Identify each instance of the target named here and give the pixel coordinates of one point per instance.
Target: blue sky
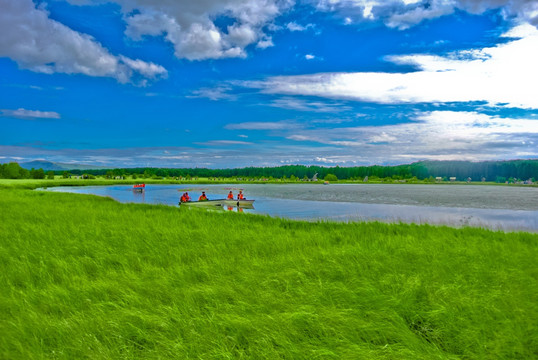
(235, 83)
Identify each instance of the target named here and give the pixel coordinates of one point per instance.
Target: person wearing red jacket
(230, 195)
(203, 197)
(240, 195)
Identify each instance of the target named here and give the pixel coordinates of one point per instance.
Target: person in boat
(187, 197)
(183, 198)
(203, 197)
(230, 195)
(240, 195)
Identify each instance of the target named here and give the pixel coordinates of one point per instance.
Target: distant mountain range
(48, 165)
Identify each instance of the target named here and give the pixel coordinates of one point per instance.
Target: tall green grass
(87, 277)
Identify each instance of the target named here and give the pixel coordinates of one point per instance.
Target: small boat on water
(139, 187)
(220, 202)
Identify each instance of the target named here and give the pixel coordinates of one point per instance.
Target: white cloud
(190, 25)
(412, 17)
(309, 57)
(40, 44)
(264, 43)
(293, 26)
(501, 75)
(434, 135)
(437, 135)
(304, 105)
(220, 92)
(523, 10)
(148, 70)
(403, 14)
(29, 114)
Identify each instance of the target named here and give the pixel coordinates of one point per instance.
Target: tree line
(13, 170)
(499, 171)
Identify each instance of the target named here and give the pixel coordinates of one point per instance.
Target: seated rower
(187, 197)
(240, 195)
(230, 195)
(203, 197)
(183, 198)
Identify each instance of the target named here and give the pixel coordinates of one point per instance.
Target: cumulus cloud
(418, 14)
(501, 75)
(29, 114)
(264, 43)
(40, 44)
(191, 25)
(403, 14)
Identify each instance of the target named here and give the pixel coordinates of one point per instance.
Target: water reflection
(139, 195)
(238, 209)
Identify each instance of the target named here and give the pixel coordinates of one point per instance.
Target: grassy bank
(86, 277)
(58, 181)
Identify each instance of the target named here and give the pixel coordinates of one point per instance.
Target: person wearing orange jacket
(203, 197)
(240, 195)
(230, 195)
(187, 197)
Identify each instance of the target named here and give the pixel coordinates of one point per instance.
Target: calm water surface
(494, 207)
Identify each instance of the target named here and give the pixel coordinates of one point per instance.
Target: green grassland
(60, 181)
(84, 277)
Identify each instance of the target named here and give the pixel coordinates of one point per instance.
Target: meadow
(87, 277)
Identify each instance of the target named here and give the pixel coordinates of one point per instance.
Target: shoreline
(446, 212)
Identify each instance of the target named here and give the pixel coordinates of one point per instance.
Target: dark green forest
(15, 171)
(497, 171)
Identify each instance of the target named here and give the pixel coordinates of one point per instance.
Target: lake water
(495, 207)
